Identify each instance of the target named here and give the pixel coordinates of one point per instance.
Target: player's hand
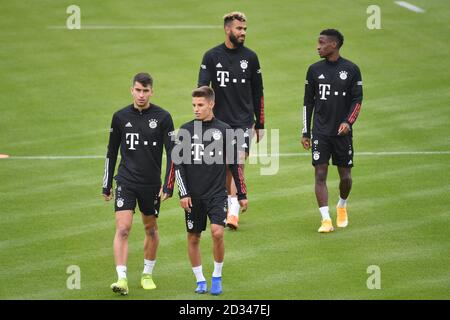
(186, 204)
(306, 142)
(259, 134)
(163, 196)
(244, 204)
(344, 129)
(108, 197)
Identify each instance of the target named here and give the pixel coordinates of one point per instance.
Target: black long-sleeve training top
(206, 148)
(333, 92)
(141, 136)
(235, 76)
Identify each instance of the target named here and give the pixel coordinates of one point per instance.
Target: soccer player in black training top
(333, 93)
(203, 151)
(235, 75)
(141, 130)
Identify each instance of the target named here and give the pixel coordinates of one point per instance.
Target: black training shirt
(333, 92)
(208, 149)
(141, 137)
(235, 76)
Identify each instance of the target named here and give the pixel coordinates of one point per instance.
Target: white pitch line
(381, 153)
(53, 157)
(401, 153)
(409, 6)
(299, 154)
(150, 27)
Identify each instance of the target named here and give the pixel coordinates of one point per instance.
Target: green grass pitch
(59, 89)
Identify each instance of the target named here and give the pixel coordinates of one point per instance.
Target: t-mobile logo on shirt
(324, 90)
(222, 77)
(198, 151)
(132, 139)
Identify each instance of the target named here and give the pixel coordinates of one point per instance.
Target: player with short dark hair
(234, 73)
(141, 131)
(333, 93)
(143, 78)
(204, 92)
(335, 35)
(201, 155)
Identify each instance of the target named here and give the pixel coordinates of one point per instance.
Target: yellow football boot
(147, 282)
(327, 226)
(232, 222)
(121, 286)
(342, 219)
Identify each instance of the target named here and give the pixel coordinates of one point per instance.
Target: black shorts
(339, 148)
(215, 208)
(147, 198)
(243, 136)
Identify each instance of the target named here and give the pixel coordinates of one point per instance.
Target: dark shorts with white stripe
(146, 197)
(215, 208)
(340, 148)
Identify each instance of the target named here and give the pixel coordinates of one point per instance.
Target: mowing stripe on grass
(291, 154)
(149, 27)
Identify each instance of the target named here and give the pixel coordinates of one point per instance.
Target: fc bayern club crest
(343, 75)
(316, 155)
(153, 123)
(217, 135)
(244, 65)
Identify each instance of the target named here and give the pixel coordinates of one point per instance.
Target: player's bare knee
(321, 172)
(194, 238)
(151, 231)
(123, 232)
(217, 234)
(321, 176)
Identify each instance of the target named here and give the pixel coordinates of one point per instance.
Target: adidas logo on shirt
(128, 125)
(321, 76)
